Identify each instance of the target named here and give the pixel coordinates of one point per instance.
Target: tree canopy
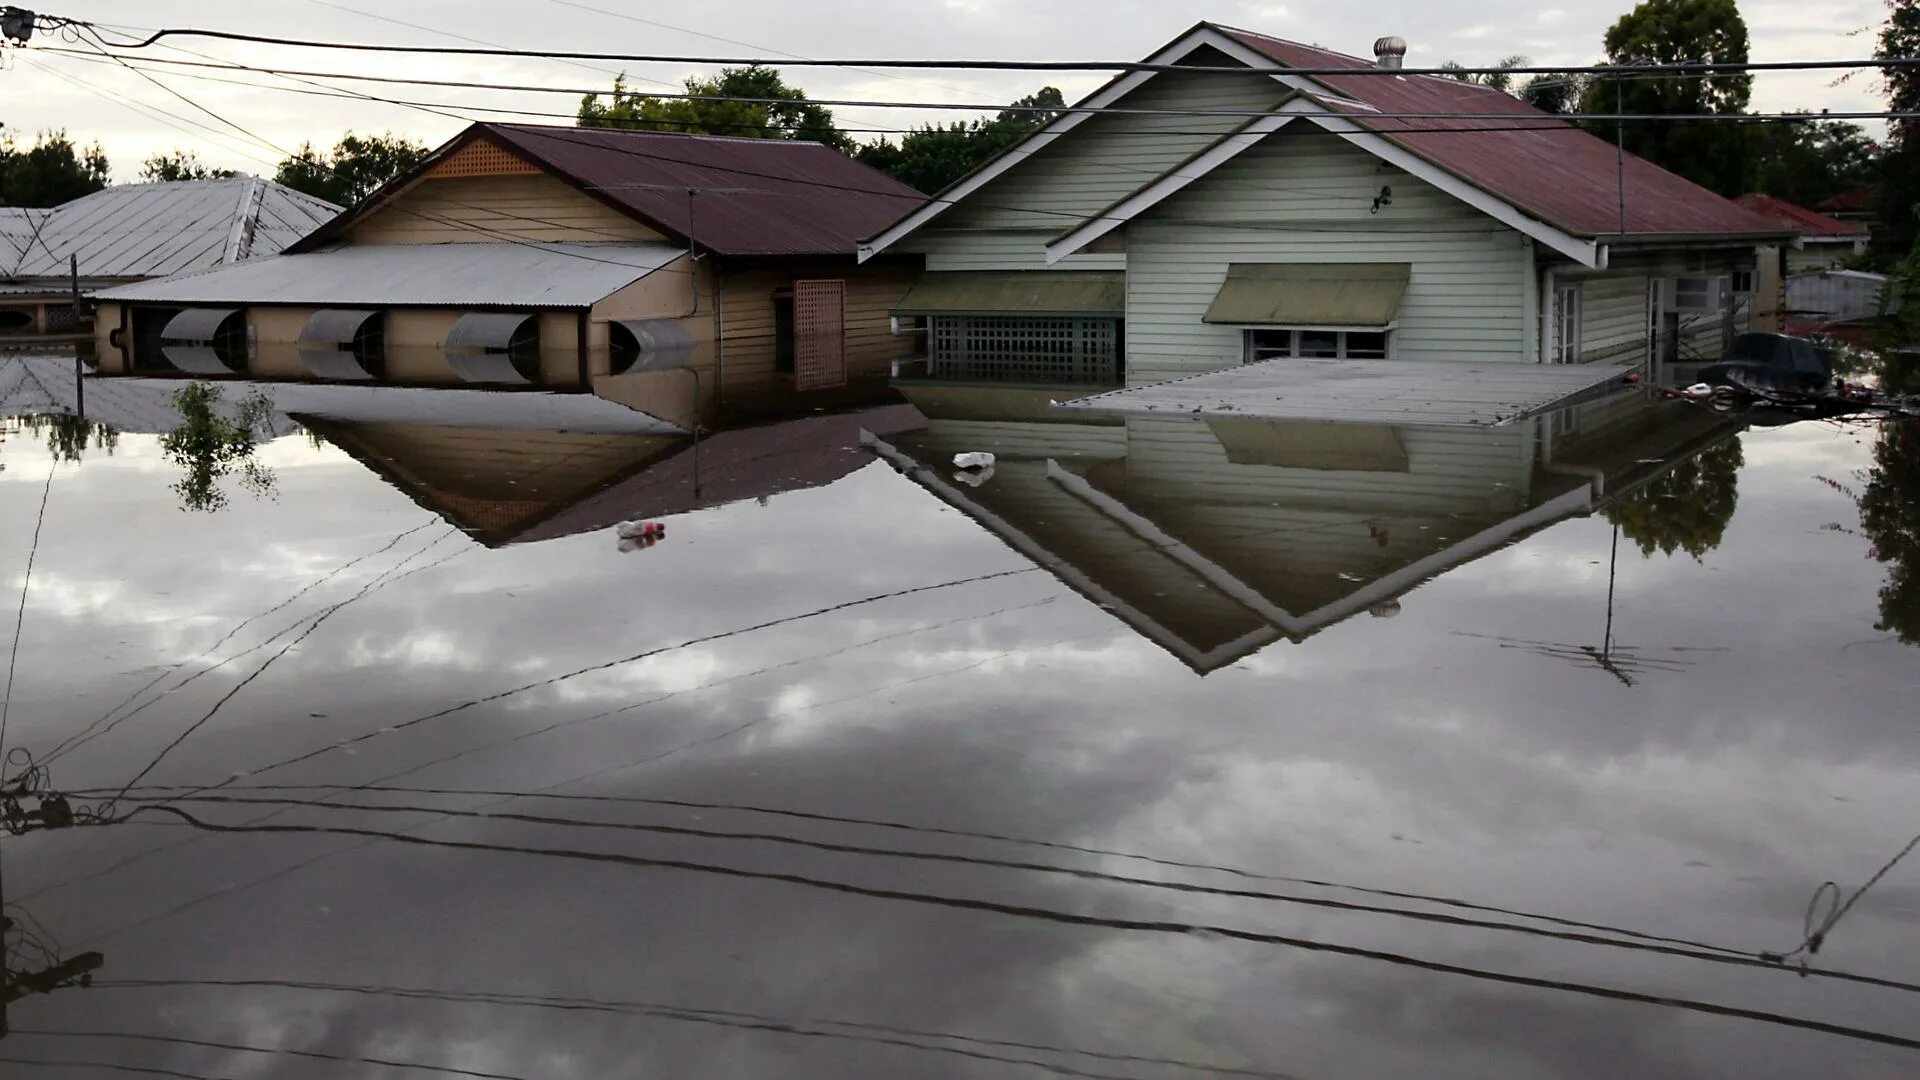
(776, 111)
(931, 158)
(354, 169)
(1815, 160)
(1898, 228)
(1718, 156)
(50, 172)
(177, 166)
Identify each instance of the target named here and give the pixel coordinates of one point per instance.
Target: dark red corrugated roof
(756, 196)
(1861, 200)
(1802, 220)
(1543, 165)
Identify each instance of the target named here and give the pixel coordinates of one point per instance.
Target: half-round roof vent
(1390, 51)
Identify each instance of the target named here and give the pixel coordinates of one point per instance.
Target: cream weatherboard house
(1179, 222)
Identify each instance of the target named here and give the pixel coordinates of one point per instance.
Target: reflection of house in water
(1217, 539)
(505, 485)
(561, 258)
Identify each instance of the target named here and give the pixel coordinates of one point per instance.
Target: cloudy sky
(134, 118)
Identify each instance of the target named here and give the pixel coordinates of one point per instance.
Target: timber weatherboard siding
(1007, 223)
(1308, 198)
(489, 209)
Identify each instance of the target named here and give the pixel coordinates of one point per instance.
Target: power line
(1124, 66)
(311, 1055)
(1514, 119)
(20, 618)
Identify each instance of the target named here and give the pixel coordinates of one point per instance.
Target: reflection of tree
(209, 446)
(69, 437)
(1688, 508)
(1890, 516)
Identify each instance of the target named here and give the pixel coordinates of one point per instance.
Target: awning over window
(333, 343)
(495, 347)
(1310, 294)
(1029, 292)
(206, 341)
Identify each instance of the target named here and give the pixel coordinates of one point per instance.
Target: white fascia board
(1153, 194)
(1114, 91)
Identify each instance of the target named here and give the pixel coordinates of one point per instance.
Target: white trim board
(1584, 252)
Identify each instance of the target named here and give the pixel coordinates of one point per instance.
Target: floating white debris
(973, 461)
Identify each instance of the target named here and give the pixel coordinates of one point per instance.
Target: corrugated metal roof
(1802, 220)
(755, 196)
(430, 275)
(1545, 166)
(1310, 294)
(1031, 292)
(152, 230)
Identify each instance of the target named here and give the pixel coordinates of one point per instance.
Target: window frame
(1569, 322)
(1250, 352)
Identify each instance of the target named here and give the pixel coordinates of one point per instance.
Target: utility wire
(311, 1055)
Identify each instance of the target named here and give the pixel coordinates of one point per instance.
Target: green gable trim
(1310, 294)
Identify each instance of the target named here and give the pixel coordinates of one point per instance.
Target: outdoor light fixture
(16, 24)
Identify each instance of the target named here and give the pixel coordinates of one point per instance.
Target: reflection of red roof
(1807, 222)
(1542, 165)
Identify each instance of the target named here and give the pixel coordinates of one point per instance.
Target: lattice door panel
(819, 334)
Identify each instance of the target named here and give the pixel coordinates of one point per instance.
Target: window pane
(1269, 344)
(1366, 345)
(1319, 343)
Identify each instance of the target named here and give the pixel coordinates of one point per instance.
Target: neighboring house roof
(1861, 200)
(1503, 154)
(731, 196)
(1810, 224)
(423, 275)
(153, 230)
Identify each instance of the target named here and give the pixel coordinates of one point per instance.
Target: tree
(179, 165)
(356, 167)
(50, 172)
(1890, 517)
(1813, 160)
(1900, 166)
(1716, 155)
(931, 158)
(1687, 509)
(1501, 79)
(773, 110)
(1549, 93)
(69, 437)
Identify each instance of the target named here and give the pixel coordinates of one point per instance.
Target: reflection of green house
(1215, 540)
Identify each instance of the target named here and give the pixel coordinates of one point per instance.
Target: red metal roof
(1542, 165)
(1861, 200)
(1804, 221)
(756, 196)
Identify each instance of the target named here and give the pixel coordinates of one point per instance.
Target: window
(783, 343)
(1566, 325)
(1323, 344)
(1742, 282)
(1035, 349)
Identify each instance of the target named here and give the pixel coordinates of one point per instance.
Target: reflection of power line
(1710, 955)
(84, 736)
(1818, 926)
(110, 1066)
(297, 867)
(312, 1055)
(802, 1026)
(1066, 918)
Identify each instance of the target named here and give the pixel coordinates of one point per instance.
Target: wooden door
(819, 334)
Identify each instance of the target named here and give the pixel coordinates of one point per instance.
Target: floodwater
(1164, 751)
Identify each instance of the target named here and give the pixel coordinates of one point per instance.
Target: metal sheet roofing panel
(434, 275)
(1030, 292)
(1810, 223)
(755, 196)
(1542, 165)
(152, 230)
(1310, 294)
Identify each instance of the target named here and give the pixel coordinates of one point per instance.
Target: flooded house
(1820, 242)
(1259, 208)
(560, 258)
(136, 232)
